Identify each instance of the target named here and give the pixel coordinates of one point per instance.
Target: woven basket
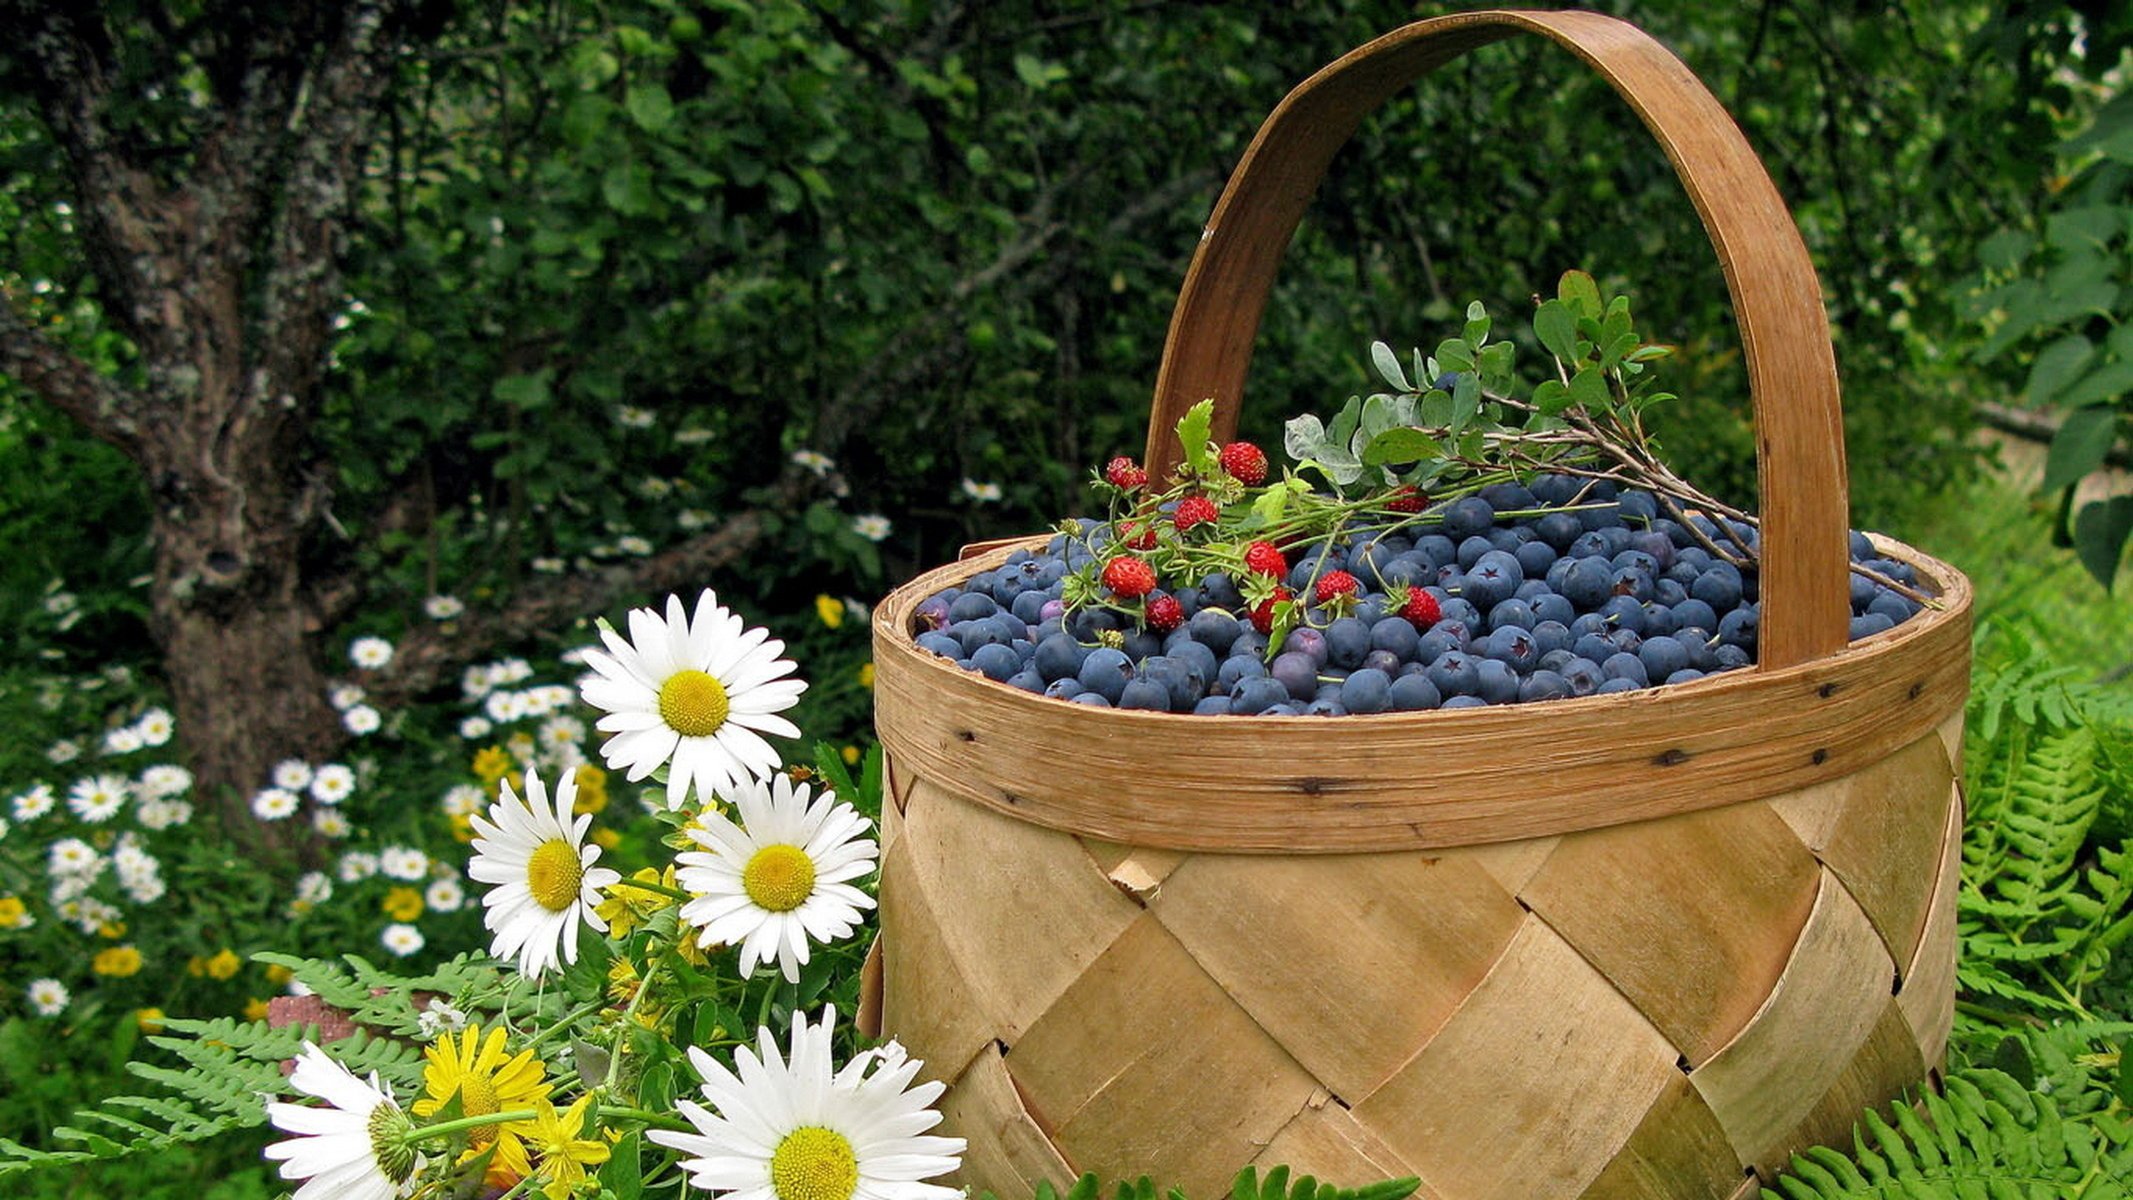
(1638, 945)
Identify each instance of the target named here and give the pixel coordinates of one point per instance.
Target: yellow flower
(150, 1020)
(830, 610)
(626, 908)
(13, 912)
(111, 930)
(402, 904)
(563, 1154)
(196, 966)
(255, 1009)
(606, 839)
(476, 1070)
(279, 975)
(866, 675)
(492, 764)
(118, 961)
(850, 755)
(621, 980)
(225, 964)
(462, 827)
(592, 789)
(522, 747)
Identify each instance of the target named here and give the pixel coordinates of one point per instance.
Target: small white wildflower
(345, 696)
(630, 543)
(333, 783)
(361, 719)
(629, 416)
(330, 822)
(692, 519)
(462, 800)
(403, 862)
(442, 608)
(98, 798)
(444, 895)
(475, 728)
(440, 1018)
(548, 566)
(370, 653)
(48, 996)
(872, 526)
(274, 804)
(146, 889)
(983, 493)
(356, 866)
(164, 779)
(504, 707)
(294, 774)
(652, 487)
(312, 887)
(694, 435)
(402, 940)
(814, 461)
(33, 803)
(155, 727)
(62, 751)
(123, 740)
(164, 814)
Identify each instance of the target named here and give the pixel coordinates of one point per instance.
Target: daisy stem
(662, 889)
(662, 1120)
(629, 1017)
(423, 1133)
(568, 1021)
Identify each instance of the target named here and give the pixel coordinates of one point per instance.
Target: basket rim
(1233, 783)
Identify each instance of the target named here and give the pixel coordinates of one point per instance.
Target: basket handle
(1777, 301)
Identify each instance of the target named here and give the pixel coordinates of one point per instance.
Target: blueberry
(1613, 686)
(1236, 670)
(1534, 558)
(1509, 497)
(1631, 582)
(1659, 619)
(1064, 689)
(1626, 666)
(1554, 660)
(1869, 625)
(1180, 680)
(1251, 642)
(1027, 680)
(1588, 582)
(932, 612)
(1467, 516)
(1554, 490)
(1220, 591)
(1719, 586)
(1211, 706)
(942, 644)
(1685, 675)
(1657, 545)
(1325, 706)
(1436, 549)
(1543, 685)
(1213, 628)
(1588, 623)
(1437, 643)
(1144, 694)
(970, 606)
(1297, 672)
(1739, 627)
(1412, 693)
(1092, 699)
(1637, 507)
(1896, 607)
(1863, 591)
(1730, 657)
(1053, 610)
(1141, 643)
(1485, 588)
(1396, 636)
(1552, 636)
(1086, 623)
(995, 661)
(1548, 606)
(1513, 646)
(1105, 672)
(1624, 612)
(1367, 691)
(1407, 570)
(986, 631)
(1696, 613)
(1254, 696)
(1454, 674)
(1583, 675)
(1471, 550)
(1495, 681)
(1512, 614)
(1282, 710)
(1698, 642)
(1594, 646)
(1508, 538)
(1558, 529)
(1862, 546)
(1347, 641)
(1369, 561)
(1628, 641)
(1662, 656)
(1383, 660)
(1198, 658)
(1308, 641)
(1464, 702)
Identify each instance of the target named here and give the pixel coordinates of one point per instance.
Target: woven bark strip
(1639, 945)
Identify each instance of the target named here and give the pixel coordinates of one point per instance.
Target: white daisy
(542, 870)
(442, 608)
(475, 728)
(780, 879)
(73, 856)
(694, 694)
(356, 866)
(791, 1130)
(511, 670)
(403, 862)
(983, 493)
(814, 460)
(165, 779)
(558, 732)
(476, 680)
(330, 822)
(274, 804)
(145, 889)
(444, 895)
(313, 887)
(872, 526)
(402, 940)
(630, 543)
(48, 996)
(33, 803)
(370, 653)
(352, 1149)
(63, 751)
(345, 696)
(164, 814)
(361, 719)
(462, 799)
(332, 783)
(99, 797)
(548, 566)
(123, 740)
(694, 435)
(504, 707)
(294, 774)
(156, 727)
(692, 519)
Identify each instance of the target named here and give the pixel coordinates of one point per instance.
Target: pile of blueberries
(1609, 597)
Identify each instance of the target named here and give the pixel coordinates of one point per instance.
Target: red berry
(1420, 609)
(1135, 536)
(1263, 612)
(1407, 498)
(1337, 583)
(1264, 558)
(1194, 510)
(1129, 578)
(1165, 613)
(1123, 472)
(1245, 463)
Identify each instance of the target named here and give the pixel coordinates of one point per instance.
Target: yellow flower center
(779, 878)
(693, 703)
(814, 1163)
(477, 1098)
(553, 874)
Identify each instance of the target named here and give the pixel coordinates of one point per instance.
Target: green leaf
(2105, 383)
(1552, 396)
(1588, 389)
(1557, 329)
(627, 188)
(1466, 402)
(649, 106)
(2005, 250)
(1193, 430)
(2100, 532)
(1477, 324)
(623, 1173)
(525, 391)
(1303, 437)
(2079, 447)
(1403, 445)
(1577, 289)
(1455, 355)
(2084, 230)
(1388, 365)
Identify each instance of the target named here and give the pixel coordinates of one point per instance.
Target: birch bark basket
(1646, 945)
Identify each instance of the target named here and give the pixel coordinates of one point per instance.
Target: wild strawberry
(1194, 511)
(1123, 472)
(1135, 536)
(1129, 578)
(1263, 612)
(1407, 498)
(1420, 608)
(1245, 463)
(1165, 613)
(1264, 558)
(1337, 583)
